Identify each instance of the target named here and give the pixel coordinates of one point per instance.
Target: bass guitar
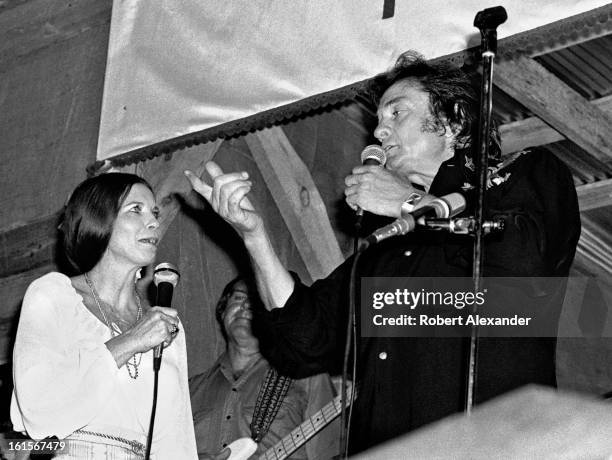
(243, 448)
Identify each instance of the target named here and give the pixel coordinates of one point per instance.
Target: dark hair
(453, 96)
(254, 300)
(88, 218)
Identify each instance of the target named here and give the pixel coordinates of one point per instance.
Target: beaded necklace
(132, 363)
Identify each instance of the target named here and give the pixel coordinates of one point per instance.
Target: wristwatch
(410, 203)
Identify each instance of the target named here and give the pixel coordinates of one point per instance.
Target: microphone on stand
(165, 277)
(371, 155)
(447, 206)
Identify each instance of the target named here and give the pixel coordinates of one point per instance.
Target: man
(427, 120)
(225, 397)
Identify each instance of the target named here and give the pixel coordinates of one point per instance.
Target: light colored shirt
(223, 409)
(66, 378)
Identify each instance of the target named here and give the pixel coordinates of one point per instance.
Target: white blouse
(66, 378)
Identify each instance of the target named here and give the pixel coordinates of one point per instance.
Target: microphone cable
(166, 278)
(351, 341)
(153, 410)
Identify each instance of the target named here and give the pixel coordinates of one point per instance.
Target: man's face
(415, 148)
(238, 315)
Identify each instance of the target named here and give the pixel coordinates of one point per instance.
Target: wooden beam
(298, 200)
(532, 131)
(595, 195)
(557, 104)
(594, 250)
(29, 245)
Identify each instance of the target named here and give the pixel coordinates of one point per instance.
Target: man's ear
(454, 128)
(459, 114)
(451, 129)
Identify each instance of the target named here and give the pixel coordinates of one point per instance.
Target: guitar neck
(298, 436)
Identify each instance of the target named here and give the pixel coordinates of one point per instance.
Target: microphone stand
(350, 343)
(487, 21)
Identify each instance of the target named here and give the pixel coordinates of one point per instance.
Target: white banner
(177, 67)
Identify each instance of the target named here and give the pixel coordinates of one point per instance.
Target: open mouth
(153, 241)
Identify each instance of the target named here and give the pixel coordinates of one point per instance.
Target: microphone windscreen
(166, 272)
(375, 153)
(456, 203)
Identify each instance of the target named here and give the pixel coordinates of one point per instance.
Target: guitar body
(242, 449)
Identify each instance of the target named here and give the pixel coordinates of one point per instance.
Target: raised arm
(228, 197)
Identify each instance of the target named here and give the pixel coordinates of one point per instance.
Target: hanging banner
(176, 68)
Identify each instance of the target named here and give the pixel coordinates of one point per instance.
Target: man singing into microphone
(427, 120)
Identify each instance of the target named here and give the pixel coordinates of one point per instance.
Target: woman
(83, 353)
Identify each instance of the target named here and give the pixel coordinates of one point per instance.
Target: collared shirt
(223, 409)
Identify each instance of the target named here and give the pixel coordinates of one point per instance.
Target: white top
(66, 378)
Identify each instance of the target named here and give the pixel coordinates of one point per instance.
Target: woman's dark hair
(88, 218)
(453, 96)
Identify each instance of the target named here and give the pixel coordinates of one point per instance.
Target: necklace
(133, 362)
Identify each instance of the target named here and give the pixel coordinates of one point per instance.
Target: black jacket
(422, 379)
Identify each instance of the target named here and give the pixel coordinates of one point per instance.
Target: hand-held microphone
(372, 155)
(165, 277)
(447, 206)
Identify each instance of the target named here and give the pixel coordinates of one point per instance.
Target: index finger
(361, 169)
(166, 311)
(213, 169)
(199, 185)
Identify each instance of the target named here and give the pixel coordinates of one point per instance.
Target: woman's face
(135, 234)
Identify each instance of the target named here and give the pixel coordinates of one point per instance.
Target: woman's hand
(228, 198)
(159, 325)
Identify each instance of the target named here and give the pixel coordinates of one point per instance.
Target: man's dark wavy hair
(253, 294)
(453, 96)
(89, 216)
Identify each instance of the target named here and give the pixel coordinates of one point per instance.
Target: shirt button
(408, 253)
(382, 355)
(228, 417)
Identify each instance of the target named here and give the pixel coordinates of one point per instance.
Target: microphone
(447, 206)
(371, 155)
(165, 277)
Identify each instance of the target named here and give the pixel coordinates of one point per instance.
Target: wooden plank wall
(52, 61)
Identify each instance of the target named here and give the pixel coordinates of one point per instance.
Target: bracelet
(409, 204)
